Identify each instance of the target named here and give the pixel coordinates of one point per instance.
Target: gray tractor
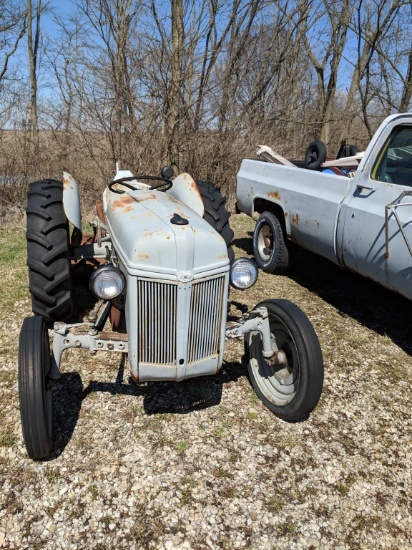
(160, 264)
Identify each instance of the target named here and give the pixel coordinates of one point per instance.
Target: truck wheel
(48, 251)
(315, 155)
(216, 213)
(269, 247)
(291, 390)
(36, 408)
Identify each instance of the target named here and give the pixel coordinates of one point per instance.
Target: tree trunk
(33, 46)
(174, 99)
(407, 87)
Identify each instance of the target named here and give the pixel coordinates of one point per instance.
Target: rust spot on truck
(143, 256)
(295, 219)
(273, 195)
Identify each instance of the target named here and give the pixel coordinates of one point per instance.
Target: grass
(13, 270)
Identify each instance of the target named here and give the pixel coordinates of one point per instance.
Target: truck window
(394, 163)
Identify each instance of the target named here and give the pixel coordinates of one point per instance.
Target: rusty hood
(155, 233)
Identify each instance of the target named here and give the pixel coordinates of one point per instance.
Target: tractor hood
(154, 233)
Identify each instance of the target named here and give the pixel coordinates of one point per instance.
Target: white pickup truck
(363, 223)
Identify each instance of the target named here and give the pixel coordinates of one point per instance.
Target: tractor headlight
(107, 282)
(243, 273)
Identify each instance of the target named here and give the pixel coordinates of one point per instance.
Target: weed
(287, 528)
(181, 446)
(218, 433)
(7, 437)
(228, 490)
(51, 474)
(342, 488)
(287, 441)
(227, 422)
(186, 496)
(221, 472)
(311, 491)
(274, 504)
(93, 491)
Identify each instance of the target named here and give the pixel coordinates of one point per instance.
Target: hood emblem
(178, 220)
(184, 276)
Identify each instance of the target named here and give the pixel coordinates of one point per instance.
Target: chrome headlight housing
(243, 273)
(107, 282)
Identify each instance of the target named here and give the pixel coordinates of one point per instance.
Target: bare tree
(33, 39)
(12, 29)
(371, 24)
(324, 28)
(174, 98)
(111, 22)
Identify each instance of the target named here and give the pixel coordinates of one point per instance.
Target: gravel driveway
(202, 464)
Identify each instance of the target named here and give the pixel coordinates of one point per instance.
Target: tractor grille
(205, 319)
(158, 312)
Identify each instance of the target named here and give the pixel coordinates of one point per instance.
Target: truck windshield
(394, 164)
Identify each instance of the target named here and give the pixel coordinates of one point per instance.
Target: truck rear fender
(263, 205)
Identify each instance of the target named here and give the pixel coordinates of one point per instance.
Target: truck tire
(36, 407)
(292, 389)
(48, 251)
(269, 246)
(315, 155)
(347, 151)
(216, 213)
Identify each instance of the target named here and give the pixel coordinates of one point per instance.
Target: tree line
(195, 84)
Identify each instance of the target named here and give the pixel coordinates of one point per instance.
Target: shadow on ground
(370, 304)
(158, 397)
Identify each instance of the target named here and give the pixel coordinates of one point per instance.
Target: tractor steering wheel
(164, 184)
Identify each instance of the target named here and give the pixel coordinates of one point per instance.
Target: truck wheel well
(262, 205)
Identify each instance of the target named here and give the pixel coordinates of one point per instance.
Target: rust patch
(142, 256)
(115, 316)
(117, 336)
(273, 195)
(124, 203)
(295, 219)
(67, 183)
(100, 212)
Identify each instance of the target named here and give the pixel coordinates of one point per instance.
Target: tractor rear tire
(48, 251)
(216, 213)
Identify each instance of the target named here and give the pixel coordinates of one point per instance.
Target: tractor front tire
(216, 213)
(36, 407)
(48, 251)
(291, 389)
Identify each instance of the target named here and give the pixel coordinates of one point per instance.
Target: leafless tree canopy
(195, 84)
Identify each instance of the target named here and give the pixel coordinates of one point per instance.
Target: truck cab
(362, 223)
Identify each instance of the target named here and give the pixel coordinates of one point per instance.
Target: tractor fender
(185, 190)
(71, 200)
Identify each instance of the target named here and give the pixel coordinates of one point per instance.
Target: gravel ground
(202, 464)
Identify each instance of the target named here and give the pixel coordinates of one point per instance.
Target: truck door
(376, 238)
